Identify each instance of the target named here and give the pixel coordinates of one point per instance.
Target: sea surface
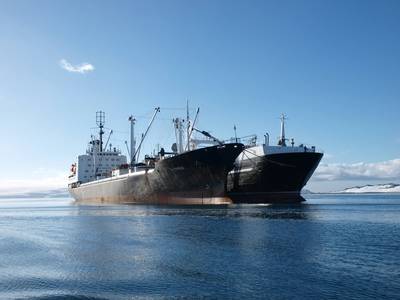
(330, 247)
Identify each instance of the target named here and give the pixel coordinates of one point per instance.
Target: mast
(94, 152)
(133, 141)
(187, 125)
(282, 139)
(100, 121)
(179, 133)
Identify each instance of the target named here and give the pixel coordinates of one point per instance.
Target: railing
(294, 149)
(248, 140)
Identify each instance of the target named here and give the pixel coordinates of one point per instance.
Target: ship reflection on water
(262, 211)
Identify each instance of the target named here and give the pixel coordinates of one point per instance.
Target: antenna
(234, 128)
(100, 121)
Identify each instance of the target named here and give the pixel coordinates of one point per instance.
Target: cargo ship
(264, 173)
(186, 175)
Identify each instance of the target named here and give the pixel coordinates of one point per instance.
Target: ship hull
(194, 177)
(272, 178)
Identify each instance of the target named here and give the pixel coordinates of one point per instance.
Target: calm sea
(331, 247)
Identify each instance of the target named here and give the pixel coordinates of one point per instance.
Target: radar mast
(100, 121)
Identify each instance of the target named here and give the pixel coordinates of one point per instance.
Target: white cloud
(359, 171)
(81, 68)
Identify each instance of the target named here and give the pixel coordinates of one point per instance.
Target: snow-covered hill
(305, 191)
(54, 193)
(376, 188)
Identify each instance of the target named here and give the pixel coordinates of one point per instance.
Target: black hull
(194, 177)
(273, 178)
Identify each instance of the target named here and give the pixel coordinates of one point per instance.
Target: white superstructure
(98, 162)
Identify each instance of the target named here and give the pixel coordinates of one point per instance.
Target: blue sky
(332, 66)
